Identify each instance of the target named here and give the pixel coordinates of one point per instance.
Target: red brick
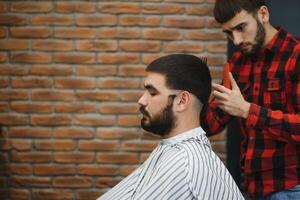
(119, 83)
(49, 70)
(18, 144)
(75, 107)
(51, 120)
(162, 34)
(28, 157)
(3, 31)
(99, 96)
(50, 194)
(137, 20)
(126, 170)
(95, 70)
(132, 96)
(3, 107)
(217, 47)
(52, 45)
(74, 157)
(87, 194)
(148, 58)
(63, 145)
(94, 170)
(31, 57)
(205, 35)
(9, 19)
(183, 22)
(94, 120)
(30, 32)
(75, 58)
(162, 8)
(77, 33)
(75, 83)
(144, 157)
(120, 33)
(72, 182)
(31, 7)
(53, 169)
(3, 56)
(75, 133)
(14, 95)
(3, 6)
(219, 146)
(115, 108)
(129, 120)
(117, 133)
(140, 46)
(29, 132)
(58, 20)
(87, 145)
(188, 47)
(31, 82)
(96, 20)
(4, 83)
(104, 182)
(13, 119)
(14, 44)
(49, 95)
(13, 70)
(120, 58)
(117, 8)
(20, 169)
(19, 181)
(216, 60)
(138, 145)
(96, 45)
(212, 23)
(203, 10)
(132, 70)
(117, 158)
(75, 7)
(19, 194)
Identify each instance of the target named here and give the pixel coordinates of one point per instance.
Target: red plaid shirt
(270, 149)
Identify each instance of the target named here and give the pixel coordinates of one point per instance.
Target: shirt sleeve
(279, 125)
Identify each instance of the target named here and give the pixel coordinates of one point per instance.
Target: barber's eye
(241, 27)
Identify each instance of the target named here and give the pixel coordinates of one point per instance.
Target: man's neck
(270, 33)
(183, 127)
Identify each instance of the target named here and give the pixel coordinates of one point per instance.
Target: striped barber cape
(181, 167)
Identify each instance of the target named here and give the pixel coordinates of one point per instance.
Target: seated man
(183, 165)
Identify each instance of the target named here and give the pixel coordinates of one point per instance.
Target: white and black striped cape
(181, 167)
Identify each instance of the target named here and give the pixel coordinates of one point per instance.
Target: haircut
(225, 10)
(184, 72)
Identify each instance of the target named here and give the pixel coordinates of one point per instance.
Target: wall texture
(70, 75)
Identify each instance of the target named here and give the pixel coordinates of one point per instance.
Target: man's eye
(240, 27)
(152, 93)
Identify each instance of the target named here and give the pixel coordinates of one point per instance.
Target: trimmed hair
(184, 72)
(225, 10)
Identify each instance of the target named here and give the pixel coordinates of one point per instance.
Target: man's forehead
(155, 79)
(239, 18)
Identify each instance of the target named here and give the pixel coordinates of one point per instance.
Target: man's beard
(259, 39)
(161, 123)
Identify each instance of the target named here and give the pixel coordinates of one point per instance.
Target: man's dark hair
(184, 72)
(225, 10)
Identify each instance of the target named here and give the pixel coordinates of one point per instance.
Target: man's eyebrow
(235, 27)
(150, 87)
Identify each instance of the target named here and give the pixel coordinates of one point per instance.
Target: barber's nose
(237, 38)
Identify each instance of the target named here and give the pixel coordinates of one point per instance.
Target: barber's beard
(258, 41)
(161, 123)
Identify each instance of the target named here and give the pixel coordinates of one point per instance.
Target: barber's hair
(184, 72)
(225, 10)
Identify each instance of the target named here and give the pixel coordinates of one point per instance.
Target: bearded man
(183, 165)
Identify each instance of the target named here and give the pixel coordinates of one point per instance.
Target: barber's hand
(231, 101)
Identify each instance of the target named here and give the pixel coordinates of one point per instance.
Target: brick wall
(70, 75)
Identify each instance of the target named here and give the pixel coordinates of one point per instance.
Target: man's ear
(263, 14)
(183, 101)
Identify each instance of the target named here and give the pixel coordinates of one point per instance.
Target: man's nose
(142, 100)
(237, 38)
